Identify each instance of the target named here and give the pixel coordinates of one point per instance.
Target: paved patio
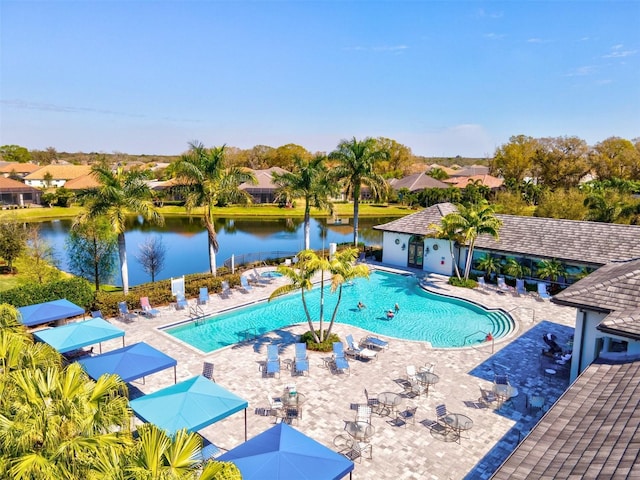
(399, 452)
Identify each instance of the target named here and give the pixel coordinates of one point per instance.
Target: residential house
(417, 182)
(265, 190)
(55, 175)
(15, 193)
(18, 169)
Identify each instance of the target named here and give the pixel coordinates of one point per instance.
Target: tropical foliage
(357, 167)
(121, 193)
(204, 180)
(339, 269)
(309, 181)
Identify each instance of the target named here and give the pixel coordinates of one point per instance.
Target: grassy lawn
(342, 210)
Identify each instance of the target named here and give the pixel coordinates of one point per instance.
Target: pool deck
(399, 452)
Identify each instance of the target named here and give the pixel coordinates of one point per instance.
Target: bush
(326, 346)
(76, 290)
(461, 282)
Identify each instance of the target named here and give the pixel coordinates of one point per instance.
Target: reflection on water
(186, 240)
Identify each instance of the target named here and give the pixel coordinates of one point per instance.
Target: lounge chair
(147, 309)
(181, 302)
(374, 343)
(502, 285)
(273, 361)
(339, 360)
(207, 371)
(287, 262)
(96, 314)
(301, 360)
(259, 278)
(244, 283)
(482, 285)
(542, 291)
(203, 297)
(520, 288)
(226, 290)
(125, 314)
(208, 450)
(357, 352)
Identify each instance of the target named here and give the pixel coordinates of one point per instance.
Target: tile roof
(589, 243)
(462, 181)
(417, 181)
(60, 172)
(471, 170)
(593, 431)
(11, 185)
(82, 183)
(264, 178)
(18, 167)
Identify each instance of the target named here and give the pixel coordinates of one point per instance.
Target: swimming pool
(423, 316)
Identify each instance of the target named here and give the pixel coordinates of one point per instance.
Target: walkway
(410, 452)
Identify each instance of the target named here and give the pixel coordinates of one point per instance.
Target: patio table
(458, 423)
(360, 431)
(427, 379)
(388, 402)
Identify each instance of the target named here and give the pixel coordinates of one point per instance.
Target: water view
(186, 240)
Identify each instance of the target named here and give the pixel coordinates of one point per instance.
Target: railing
(533, 312)
(256, 257)
(482, 332)
(247, 335)
(196, 311)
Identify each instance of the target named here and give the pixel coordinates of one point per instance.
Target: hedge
(76, 290)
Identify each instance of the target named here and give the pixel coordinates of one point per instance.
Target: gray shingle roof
(418, 181)
(593, 431)
(587, 243)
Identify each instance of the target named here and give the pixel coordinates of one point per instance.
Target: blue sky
(444, 78)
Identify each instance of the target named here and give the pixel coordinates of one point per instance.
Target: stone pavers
(399, 452)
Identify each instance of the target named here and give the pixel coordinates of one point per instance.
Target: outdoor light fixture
(404, 246)
(426, 250)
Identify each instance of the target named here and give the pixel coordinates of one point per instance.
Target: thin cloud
(482, 13)
(618, 52)
(538, 40)
(494, 36)
(582, 71)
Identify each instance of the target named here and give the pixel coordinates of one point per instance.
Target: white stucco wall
(436, 260)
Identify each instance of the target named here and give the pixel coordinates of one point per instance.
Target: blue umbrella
(284, 453)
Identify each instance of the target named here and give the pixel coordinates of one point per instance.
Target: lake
(185, 240)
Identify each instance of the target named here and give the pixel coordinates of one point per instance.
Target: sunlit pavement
(399, 452)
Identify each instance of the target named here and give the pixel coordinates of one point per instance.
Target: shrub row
(76, 290)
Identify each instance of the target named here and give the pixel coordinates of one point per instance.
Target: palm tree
(489, 264)
(472, 221)
(205, 182)
(515, 268)
(551, 269)
(341, 268)
(356, 167)
(309, 181)
(120, 194)
(448, 230)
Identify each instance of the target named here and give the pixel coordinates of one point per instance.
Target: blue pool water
(423, 316)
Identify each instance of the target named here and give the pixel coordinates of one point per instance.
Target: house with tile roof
(416, 182)
(19, 169)
(59, 175)
(579, 245)
(592, 430)
(265, 190)
(15, 193)
(461, 181)
(84, 182)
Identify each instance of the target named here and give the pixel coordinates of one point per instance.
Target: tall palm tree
(448, 230)
(341, 268)
(120, 194)
(308, 181)
(472, 221)
(356, 167)
(205, 181)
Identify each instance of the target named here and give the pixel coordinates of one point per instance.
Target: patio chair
(542, 291)
(363, 414)
(226, 290)
(406, 416)
(372, 401)
(273, 361)
(375, 343)
(482, 285)
(209, 450)
(428, 367)
(339, 360)
(203, 297)
(411, 373)
(502, 285)
(147, 309)
(125, 314)
(352, 449)
(290, 415)
(181, 302)
(244, 283)
(441, 416)
(207, 371)
(487, 397)
(357, 352)
(301, 360)
(96, 314)
(259, 278)
(520, 288)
